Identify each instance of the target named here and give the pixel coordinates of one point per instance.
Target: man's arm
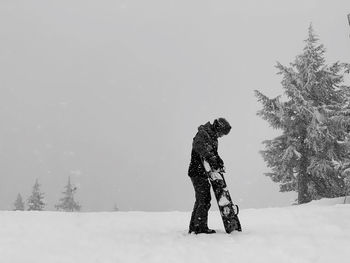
(202, 144)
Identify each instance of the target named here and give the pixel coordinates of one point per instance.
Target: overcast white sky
(111, 93)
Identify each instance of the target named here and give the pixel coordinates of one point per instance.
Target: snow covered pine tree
(35, 201)
(313, 150)
(19, 204)
(67, 202)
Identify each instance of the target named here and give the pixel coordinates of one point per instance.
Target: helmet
(222, 126)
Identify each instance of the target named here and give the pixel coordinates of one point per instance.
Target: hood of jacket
(208, 128)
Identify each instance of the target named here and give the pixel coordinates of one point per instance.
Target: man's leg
(191, 227)
(199, 219)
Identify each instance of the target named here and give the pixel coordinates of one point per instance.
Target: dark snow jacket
(204, 147)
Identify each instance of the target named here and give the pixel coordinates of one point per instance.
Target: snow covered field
(317, 232)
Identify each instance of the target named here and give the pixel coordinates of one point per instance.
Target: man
(205, 148)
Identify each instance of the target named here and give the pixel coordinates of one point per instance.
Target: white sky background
(111, 93)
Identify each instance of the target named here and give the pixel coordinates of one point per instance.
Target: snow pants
(199, 218)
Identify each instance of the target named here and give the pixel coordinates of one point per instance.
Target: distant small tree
(115, 208)
(35, 201)
(67, 202)
(19, 204)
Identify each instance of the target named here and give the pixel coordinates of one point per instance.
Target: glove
(220, 163)
(222, 170)
(216, 164)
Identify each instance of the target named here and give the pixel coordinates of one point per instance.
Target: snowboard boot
(204, 231)
(191, 228)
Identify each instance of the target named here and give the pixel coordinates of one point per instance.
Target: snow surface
(317, 232)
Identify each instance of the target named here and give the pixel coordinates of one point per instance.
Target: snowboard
(228, 210)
